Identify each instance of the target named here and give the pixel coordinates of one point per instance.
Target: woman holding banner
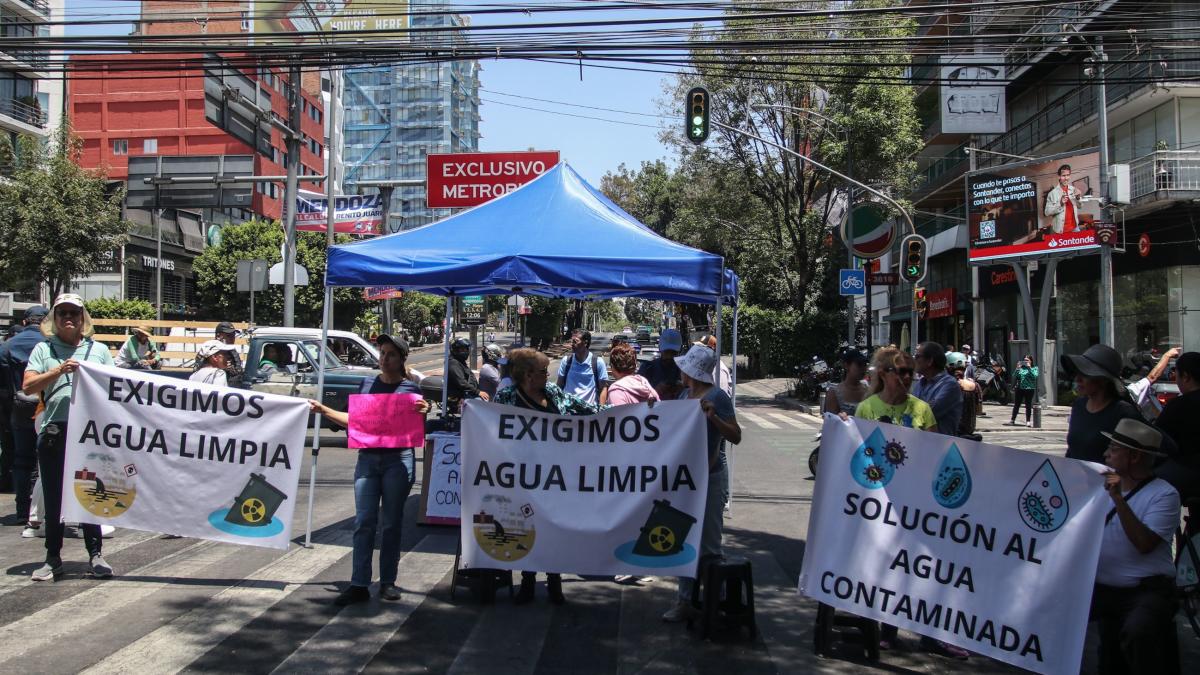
(532, 390)
(68, 330)
(696, 368)
(383, 477)
(890, 402)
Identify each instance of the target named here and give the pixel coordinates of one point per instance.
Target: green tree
(416, 310)
(216, 278)
(58, 221)
(110, 308)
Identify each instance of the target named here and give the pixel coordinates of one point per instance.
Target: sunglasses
(902, 372)
(67, 312)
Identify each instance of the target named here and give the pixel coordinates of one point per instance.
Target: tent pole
(326, 318)
(446, 336)
(733, 370)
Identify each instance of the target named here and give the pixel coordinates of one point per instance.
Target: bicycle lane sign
(852, 282)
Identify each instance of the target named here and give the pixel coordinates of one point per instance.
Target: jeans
(25, 461)
(52, 449)
(1020, 395)
(1137, 627)
(386, 478)
(710, 534)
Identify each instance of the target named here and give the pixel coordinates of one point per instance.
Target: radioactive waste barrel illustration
(256, 504)
(665, 531)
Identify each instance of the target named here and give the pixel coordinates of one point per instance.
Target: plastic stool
(827, 620)
(482, 582)
(732, 577)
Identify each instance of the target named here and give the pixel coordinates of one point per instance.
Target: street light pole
(1107, 327)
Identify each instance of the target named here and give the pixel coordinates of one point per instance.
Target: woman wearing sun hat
(696, 368)
(139, 351)
(1101, 403)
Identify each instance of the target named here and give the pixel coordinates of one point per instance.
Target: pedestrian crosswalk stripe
(757, 420)
(352, 638)
(172, 647)
(37, 550)
(795, 421)
(48, 628)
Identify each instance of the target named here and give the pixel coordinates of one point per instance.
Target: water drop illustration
(952, 482)
(1043, 502)
(869, 466)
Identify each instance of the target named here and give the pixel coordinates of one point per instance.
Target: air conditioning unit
(1118, 183)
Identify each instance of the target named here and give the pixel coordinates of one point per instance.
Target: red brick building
(123, 113)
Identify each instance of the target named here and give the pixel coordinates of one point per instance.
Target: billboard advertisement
(303, 16)
(465, 179)
(353, 214)
(972, 95)
(1042, 207)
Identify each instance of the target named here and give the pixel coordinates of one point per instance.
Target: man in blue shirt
(14, 355)
(938, 388)
(582, 373)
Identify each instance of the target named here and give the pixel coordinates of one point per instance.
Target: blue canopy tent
(556, 236)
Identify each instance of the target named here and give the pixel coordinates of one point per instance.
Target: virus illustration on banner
(103, 487)
(1043, 501)
(504, 531)
(952, 482)
(874, 463)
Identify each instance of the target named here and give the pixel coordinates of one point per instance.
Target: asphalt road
(190, 605)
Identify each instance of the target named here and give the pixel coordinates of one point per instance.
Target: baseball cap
(670, 339)
(225, 327)
(36, 313)
(212, 347)
(69, 299)
(396, 341)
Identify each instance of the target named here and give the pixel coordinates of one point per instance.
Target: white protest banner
(149, 452)
(441, 503)
(985, 547)
(621, 492)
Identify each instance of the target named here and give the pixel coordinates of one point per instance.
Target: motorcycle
(991, 380)
(811, 377)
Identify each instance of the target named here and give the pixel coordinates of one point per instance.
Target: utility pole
(290, 195)
(1107, 329)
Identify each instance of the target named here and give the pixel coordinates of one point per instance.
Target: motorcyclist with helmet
(460, 382)
(489, 372)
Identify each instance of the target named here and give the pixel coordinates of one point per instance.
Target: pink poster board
(385, 421)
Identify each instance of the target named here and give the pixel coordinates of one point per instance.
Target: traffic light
(920, 302)
(912, 258)
(696, 110)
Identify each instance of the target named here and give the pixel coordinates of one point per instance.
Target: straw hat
(1137, 436)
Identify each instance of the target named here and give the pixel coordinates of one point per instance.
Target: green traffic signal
(913, 249)
(696, 118)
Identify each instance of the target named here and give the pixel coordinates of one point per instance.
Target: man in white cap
(215, 355)
(662, 372)
(1134, 597)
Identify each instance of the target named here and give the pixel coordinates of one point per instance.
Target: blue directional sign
(852, 282)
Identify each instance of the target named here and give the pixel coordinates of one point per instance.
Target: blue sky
(592, 147)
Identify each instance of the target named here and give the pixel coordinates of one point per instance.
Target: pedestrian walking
(383, 478)
(52, 363)
(696, 368)
(532, 390)
(1024, 386)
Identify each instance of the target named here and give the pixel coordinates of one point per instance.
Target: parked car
(354, 351)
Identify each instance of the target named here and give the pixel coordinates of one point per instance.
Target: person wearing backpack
(50, 373)
(582, 373)
(14, 355)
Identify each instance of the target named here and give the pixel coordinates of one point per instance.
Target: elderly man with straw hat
(139, 351)
(1134, 598)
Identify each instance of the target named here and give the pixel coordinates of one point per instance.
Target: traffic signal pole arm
(896, 205)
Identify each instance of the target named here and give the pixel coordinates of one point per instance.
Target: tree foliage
(216, 278)
(58, 221)
(111, 308)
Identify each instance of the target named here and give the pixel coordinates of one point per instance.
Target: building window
(140, 285)
(121, 147)
(150, 146)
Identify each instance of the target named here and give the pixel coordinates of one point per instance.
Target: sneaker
(352, 595)
(31, 531)
(48, 571)
(389, 592)
(682, 611)
(1029, 424)
(101, 569)
(106, 531)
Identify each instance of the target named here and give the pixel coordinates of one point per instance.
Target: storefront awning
(899, 316)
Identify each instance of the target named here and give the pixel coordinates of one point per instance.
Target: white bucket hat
(698, 363)
(212, 347)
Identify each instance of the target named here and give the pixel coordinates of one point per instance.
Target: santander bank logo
(1053, 243)
(1070, 240)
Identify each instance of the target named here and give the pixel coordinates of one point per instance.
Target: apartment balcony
(30, 118)
(950, 166)
(1042, 37)
(39, 9)
(1164, 177)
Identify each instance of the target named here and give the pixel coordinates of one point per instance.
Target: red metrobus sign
(472, 178)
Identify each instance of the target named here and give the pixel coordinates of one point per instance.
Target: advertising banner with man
(621, 492)
(1045, 207)
(981, 546)
(166, 455)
